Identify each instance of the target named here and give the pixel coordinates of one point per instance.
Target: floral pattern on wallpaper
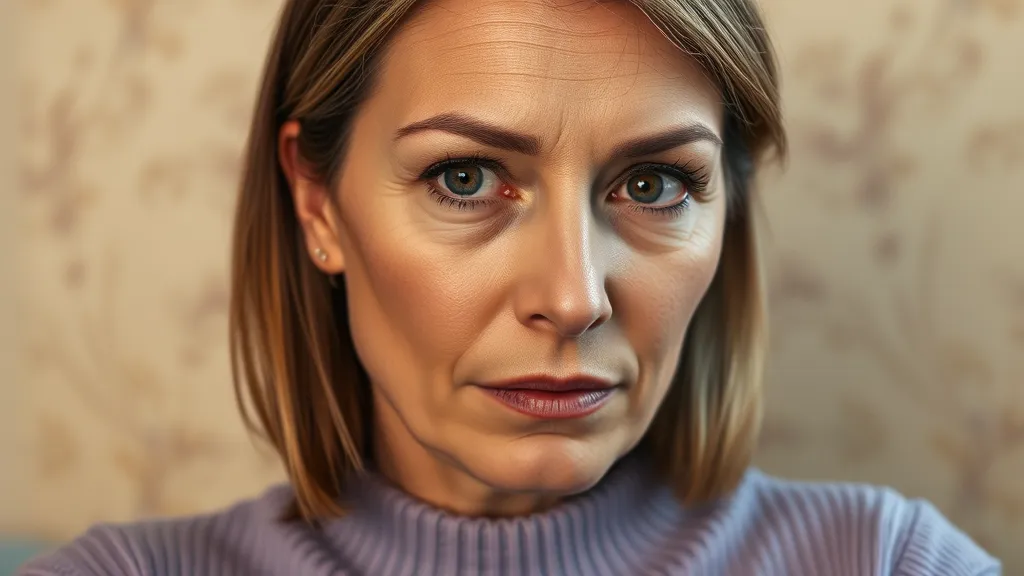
(131, 139)
(897, 282)
(896, 273)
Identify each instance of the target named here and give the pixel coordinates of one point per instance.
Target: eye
(653, 189)
(467, 180)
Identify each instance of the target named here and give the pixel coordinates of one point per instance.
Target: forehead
(527, 59)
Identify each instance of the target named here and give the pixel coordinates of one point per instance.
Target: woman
(496, 302)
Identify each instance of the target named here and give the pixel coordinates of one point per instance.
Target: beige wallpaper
(8, 219)
(898, 258)
(895, 257)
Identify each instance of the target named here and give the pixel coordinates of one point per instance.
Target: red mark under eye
(507, 191)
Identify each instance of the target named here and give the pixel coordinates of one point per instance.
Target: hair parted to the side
(297, 379)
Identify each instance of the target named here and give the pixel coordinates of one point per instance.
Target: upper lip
(552, 384)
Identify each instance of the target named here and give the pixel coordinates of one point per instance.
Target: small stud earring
(320, 254)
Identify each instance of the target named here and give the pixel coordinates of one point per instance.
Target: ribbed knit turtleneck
(619, 525)
(627, 525)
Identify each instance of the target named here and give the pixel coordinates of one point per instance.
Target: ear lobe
(312, 200)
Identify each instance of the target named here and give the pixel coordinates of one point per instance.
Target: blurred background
(895, 257)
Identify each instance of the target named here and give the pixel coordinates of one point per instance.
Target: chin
(545, 463)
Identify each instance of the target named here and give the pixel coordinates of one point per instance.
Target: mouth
(550, 398)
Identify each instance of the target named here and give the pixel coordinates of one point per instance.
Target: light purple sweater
(628, 525)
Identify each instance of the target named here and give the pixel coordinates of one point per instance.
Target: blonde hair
(298, 381)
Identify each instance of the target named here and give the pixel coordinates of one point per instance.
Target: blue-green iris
(464, 180)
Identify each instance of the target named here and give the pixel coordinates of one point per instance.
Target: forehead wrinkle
(524, 58)
(535, 47)
(497, 65)
(547, 29)
(634, 60)
(500, 13)
(548, 38)
(541, 42)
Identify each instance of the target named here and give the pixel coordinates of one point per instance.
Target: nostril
(569, 321)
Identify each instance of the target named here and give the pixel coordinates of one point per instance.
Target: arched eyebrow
(667, 140)
(494, 136)
(477, 130)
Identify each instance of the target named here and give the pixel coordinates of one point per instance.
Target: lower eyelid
(449, 201)
(670, 210)
(453, 202)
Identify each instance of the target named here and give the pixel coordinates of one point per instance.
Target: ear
(313, 205)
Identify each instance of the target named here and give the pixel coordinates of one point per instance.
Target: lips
(545, 397)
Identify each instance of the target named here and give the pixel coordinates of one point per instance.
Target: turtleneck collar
(615, 525)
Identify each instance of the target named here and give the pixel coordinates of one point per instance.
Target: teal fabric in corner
(15, 553)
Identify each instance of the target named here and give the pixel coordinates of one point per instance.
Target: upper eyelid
(438, 167)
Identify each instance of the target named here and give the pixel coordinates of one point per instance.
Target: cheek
(415, 306)
(661, 292)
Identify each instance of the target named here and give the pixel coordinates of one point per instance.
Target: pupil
(464, 181)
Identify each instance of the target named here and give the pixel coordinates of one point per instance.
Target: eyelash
(446, 201)
(696, 181)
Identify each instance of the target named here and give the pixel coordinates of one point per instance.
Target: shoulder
(874, 524)
(158, 547)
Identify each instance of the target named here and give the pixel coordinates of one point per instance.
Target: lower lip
(552, 405)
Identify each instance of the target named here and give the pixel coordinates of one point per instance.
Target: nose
(565, 291)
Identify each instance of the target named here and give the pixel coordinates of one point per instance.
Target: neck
(438, 480)
(617, 523)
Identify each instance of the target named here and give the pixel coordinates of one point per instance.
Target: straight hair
(298, 381)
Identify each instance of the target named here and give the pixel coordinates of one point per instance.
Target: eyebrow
(490, 135)
(478, 130)
(667, 140)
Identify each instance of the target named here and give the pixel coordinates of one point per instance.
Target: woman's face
(532, 199)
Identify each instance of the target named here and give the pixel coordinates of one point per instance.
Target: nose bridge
(570, 271)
